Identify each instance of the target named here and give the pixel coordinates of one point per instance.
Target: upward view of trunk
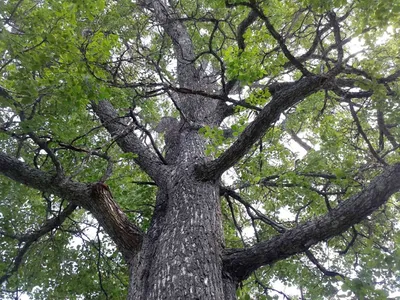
(182, 254)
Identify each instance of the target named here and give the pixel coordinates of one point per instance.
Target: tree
(199, 150)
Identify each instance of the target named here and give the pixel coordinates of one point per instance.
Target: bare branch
(363, 134)
(282, 100)
(98, 263)
(235, 222)
(266, 288)
(128, 141)
(315, 261)
(213, 96)
(281, 43)
(153, 143)
(242, 262)
(44, 146)
(29, 238)
(299, 141)
(338, 39)
(93, 197)
(181, 40)
(246, 23)
(351, 243)
(384, 130)
(251, 209)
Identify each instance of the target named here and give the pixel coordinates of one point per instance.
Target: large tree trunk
(181, 254)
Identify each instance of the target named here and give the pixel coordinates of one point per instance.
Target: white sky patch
(356, 46)
(203, 32)
(295, 148)
(229, 177)
(89, 233)
(285, 214)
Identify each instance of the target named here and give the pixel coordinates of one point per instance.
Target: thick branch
(220, 97)
(128, 141)
(126, 236)
(241, 262)
(336, 32)
(282, 100)
(241, 30)
(179, 35)
(384, 129)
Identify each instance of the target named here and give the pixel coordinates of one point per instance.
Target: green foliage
(59, 56)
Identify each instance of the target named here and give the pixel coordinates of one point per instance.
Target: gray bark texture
(182, 255)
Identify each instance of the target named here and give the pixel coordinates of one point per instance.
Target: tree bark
(180, 256)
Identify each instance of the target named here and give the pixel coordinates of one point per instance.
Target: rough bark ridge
(181, 255)
(183, 261)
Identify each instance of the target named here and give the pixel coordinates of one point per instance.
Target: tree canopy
(308, 140)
